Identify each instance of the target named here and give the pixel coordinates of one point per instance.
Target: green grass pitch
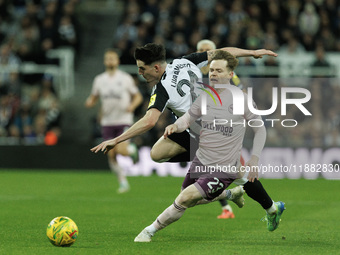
(108, 222)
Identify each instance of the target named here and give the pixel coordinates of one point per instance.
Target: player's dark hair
(232, 61)
(150, 53)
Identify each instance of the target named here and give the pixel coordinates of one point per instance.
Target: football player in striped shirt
(174, 88)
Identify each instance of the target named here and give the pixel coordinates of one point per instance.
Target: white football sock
(171, 214)
(272, 209)
(151, 229)
(227, 207)
(116, 169)
(131, 149)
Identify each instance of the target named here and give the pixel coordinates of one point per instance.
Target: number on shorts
(218, 185)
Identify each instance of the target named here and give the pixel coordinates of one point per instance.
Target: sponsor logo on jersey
(152, 100)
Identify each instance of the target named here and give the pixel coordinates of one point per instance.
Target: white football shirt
(222, 132)
(115, 92)
(178, 87)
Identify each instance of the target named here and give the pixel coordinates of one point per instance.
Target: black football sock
(223, 202)
(256, 191)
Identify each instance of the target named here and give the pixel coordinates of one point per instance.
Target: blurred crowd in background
(319, 130)
(290, 27)
(29, 28)
(29, 106)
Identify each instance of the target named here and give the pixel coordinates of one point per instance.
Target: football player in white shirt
(119, 97)
(174, 88)
(199, 186)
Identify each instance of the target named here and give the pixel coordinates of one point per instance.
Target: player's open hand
(253, 167)
(105, 146)
(262, 52)
(169, 130)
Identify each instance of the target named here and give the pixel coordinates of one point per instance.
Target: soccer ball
(62, 231)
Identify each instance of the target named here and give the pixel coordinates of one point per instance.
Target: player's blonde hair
(110, 50)
(206, 41)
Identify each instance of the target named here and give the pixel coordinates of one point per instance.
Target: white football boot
(237, 196)
(143, 237)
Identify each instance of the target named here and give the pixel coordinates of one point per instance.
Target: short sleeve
(199, 59)
(95, 87)
(132, 87)
(159, 98)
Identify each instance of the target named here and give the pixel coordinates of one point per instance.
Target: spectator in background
(240, 23)
(48, 29)
(28, 30)
(126, 30)
(292, 48)
(13, 84)
(270, 40)
(202, 23)
(309, 20)
(237, 16)
(308, 42)
(51, 10)
(327, 39)
(67, 34)
(9, 62)
(19, 8)
(6, 113)
(178, 46)
(23, 123)
(48, 119)
(325, 69)
(320, 59)
(4, 12)
(280, 23)
(254, 35)
(26, 40)
(46, 45)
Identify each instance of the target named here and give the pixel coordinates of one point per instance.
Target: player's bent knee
(184, 201)
(188, 197)
(157, 157)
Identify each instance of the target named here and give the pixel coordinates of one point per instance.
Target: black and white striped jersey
(177, 89)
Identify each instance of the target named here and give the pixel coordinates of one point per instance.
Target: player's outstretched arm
(263, 52)
(105, 146)
(237, 52)
(140, 127)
